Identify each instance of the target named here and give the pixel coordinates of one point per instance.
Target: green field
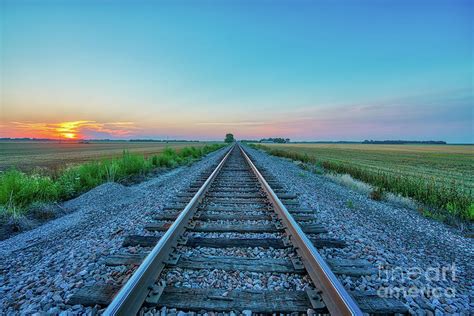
(440, 175)
(28, 155)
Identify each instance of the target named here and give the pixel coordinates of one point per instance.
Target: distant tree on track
(229, 138)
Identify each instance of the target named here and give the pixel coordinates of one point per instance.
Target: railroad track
(235, 208)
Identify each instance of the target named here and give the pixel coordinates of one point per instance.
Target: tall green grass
(19, 190)
(450, 198)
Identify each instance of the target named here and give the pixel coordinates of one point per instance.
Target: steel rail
(132, 295)
(334, 295)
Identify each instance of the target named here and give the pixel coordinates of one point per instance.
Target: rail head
(132, 295)
(335, 296)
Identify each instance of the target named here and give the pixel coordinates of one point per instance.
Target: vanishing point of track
(235, 198)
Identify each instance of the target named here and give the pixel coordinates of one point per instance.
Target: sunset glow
(304, 70)
(68, 130)
(69, 135)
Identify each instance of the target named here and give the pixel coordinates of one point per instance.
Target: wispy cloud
(437, 116)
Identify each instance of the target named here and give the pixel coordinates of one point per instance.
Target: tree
(275, 140)
(229, 138)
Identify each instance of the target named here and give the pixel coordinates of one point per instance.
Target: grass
(440, 177)
(350, 204)
(302, 174)
(19, 190)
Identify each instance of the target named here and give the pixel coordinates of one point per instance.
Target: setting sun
(69, 130)
(69, 135)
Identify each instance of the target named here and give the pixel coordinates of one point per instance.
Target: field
(65, 178)
(440, 175)
(26, 156)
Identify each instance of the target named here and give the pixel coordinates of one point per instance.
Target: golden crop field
(445, 163)
(27, 155)
(439, 175)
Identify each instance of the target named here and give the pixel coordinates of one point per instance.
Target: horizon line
(367, 141)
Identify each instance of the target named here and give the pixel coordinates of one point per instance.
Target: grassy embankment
(440, 178)
(19, 190)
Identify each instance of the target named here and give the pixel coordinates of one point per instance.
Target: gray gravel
(409, 250)
(250, 252)
(40, 269)
(235, 235)
(233, 280)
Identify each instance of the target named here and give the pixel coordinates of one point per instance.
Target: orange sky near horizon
(71, 130)
(169, 129)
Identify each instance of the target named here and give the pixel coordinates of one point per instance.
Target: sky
(305, 70)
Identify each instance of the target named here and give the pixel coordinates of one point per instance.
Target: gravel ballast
(424, 263)
(40, 269)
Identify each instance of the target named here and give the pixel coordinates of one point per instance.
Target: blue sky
(308, 70)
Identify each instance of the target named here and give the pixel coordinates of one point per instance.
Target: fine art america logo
(428, 287)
